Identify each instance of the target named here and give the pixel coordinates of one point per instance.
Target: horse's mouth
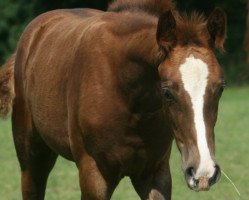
(197, 185)
(201, 183)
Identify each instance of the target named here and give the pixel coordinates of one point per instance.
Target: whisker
(236, 189)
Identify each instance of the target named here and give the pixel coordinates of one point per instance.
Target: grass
(232, 150)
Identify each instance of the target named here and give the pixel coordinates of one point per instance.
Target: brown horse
(110, 91)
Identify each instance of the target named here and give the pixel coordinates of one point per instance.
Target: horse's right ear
(166, 31)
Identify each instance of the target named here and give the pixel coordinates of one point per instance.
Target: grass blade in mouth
(236, 189)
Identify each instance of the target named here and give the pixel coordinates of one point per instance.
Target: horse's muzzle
(201, 183)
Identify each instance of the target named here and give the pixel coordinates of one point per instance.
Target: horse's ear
(216, 26)
(166, 31)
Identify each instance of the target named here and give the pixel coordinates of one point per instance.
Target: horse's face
(192, 83)
(192, 87)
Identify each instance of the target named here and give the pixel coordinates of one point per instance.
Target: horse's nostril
(189, 176)
(189, 172)
(216, 176)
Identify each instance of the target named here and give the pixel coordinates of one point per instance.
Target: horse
(111, 91)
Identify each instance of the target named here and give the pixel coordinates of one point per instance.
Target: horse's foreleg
(156, 186)
(35, 158)
(93, 184)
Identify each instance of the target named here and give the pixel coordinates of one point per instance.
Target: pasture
(232, 152)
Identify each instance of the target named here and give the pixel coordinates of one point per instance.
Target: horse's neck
(143, 46)
(141, 70)
(137, 33)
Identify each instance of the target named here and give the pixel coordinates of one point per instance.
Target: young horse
(110, 91)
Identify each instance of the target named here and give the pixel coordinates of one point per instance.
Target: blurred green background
(16, 14)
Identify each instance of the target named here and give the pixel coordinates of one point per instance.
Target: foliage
(15, 15)
(231, 146)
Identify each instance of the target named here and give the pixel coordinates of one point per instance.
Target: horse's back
(44, 61)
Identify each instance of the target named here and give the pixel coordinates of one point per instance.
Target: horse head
(192, 84)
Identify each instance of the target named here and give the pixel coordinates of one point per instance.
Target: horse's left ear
(216, 26)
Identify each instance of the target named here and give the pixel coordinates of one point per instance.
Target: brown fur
(191, 30)
(88, 88)
(216, 26)
(7, 92)
(154, 7)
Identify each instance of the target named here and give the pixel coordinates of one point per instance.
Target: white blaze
(194, 73)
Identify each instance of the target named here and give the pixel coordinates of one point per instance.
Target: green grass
(232, 150)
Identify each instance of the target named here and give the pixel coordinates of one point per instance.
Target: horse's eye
(168, 95)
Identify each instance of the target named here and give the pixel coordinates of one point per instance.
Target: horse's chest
(128, 152)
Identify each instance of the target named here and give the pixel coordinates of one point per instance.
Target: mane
(191, 28)
(153, 7)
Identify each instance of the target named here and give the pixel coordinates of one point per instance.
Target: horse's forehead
(194, 74)
(194, 63)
